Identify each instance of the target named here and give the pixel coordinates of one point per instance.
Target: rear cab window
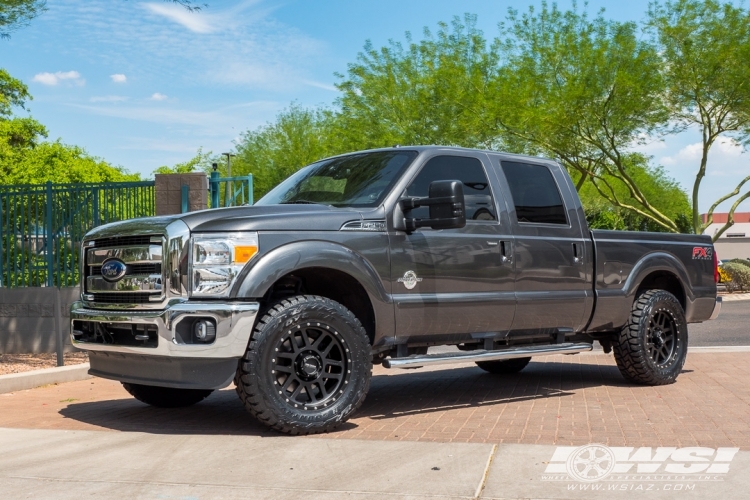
(535, 193)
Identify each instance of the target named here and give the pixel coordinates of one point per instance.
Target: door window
(477, 194)
(535, 193)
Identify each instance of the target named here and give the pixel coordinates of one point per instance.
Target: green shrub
(740, 275)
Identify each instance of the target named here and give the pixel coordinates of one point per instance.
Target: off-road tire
(504, 367)
(636, 341)
(259, 377)
(166, 397)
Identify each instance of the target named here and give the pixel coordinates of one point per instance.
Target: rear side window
(477, 195)
(535, 193)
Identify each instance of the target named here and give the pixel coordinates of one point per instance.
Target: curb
(735, 297)
(36, 378)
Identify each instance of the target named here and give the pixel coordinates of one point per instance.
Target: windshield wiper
(301, 202)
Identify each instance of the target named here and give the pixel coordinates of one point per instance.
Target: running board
(420, 360)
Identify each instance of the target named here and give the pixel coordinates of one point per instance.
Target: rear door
(550, 250)
(454, 282)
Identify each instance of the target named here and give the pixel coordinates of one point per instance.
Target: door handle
(506, 251)
(577, 254)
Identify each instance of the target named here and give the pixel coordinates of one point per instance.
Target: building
(735, 242)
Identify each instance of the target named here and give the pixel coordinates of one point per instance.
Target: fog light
(204, 331)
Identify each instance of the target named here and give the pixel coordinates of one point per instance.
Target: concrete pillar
(169, 192)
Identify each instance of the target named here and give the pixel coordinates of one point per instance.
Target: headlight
(216, 260)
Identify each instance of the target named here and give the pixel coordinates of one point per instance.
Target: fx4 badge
(703, 253)
(409, 280)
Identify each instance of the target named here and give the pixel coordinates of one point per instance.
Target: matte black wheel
(651, 349)
(166, 397)
(307, 367)
(505, 366)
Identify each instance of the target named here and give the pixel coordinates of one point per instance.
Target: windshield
(358, 180)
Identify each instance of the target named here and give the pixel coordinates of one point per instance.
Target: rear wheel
(505, 366)
(307, 367)
(166, 397)
(651, 348)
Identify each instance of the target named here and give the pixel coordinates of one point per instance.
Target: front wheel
(166, 397)
(651, 348)
(307, 367)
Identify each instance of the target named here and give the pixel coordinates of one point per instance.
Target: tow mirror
(446, 202)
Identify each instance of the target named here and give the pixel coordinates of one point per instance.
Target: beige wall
(733, 248)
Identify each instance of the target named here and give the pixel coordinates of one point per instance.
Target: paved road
(731, 328)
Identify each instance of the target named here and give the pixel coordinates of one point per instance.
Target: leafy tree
(59, 163)
(15, 14)
(272, 152)
(201, 161)
(430, 92)
(705, 47)
(583, 91)
(26, 158)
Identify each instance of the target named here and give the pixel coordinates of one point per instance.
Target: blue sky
(144, 84)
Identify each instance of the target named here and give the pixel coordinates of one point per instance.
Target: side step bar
(420, 360)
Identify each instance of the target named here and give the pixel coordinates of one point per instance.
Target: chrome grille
(143, 278)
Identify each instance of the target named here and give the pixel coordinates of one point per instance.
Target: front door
(454, 283)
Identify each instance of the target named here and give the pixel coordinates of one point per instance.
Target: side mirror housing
(446, 202)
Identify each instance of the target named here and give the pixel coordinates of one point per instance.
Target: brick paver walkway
(566, 400)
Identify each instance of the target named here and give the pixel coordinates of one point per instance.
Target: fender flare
(659, 261)
(300, 255)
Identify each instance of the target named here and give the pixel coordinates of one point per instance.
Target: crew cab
(373, 257)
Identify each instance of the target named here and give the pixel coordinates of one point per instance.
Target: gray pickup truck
(373, 257)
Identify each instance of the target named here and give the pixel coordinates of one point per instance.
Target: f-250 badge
(409, 280)
(703, 253)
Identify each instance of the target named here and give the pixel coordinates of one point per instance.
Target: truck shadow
(391, 395)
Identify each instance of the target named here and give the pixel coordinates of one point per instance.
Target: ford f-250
(372, 257)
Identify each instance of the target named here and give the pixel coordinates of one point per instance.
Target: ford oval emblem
(113, 270)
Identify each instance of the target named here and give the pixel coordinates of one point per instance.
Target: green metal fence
(41, 226)
(229, 191)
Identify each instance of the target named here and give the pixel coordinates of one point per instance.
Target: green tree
(201, 161)
(26, 158)
(583, 91)
(705, 46)
(430, 92)
(15, 14)
(272, 152)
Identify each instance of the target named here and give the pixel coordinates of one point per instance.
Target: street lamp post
(229, 174)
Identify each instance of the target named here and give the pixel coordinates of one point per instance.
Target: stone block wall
(168, 192)
(27, 319)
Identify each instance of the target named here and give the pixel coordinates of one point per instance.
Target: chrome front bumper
(234, 324)
(717, 308)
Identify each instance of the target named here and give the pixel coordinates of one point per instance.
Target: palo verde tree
(427, 92)
(705, 46)
(583, 91)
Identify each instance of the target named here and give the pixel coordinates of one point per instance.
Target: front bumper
(234, 324)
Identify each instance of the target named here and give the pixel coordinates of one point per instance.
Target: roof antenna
(397, 145)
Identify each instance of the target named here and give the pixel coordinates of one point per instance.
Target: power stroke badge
(409, 279)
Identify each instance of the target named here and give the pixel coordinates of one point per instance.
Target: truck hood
(250, 218)
(271, 218)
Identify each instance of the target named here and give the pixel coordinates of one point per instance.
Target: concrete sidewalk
(431, 433)
(68, 464)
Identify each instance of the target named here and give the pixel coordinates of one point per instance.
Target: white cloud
(726, 152)
(119, 78)
(319, 85)
(108, 98)
(196, 22)
(55, 78)
(156, 96)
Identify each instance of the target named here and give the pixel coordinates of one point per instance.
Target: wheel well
(663, 280)
(330, 283)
